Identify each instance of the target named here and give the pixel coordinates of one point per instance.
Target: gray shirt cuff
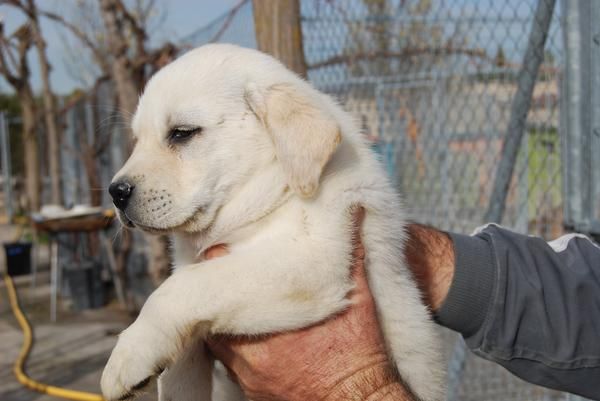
(470, 294)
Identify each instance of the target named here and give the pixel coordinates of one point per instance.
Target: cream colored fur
(274, 174)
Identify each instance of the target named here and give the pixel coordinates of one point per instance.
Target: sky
(181, 18)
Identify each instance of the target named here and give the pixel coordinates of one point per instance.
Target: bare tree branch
(14, 3)
(137, 28)
(17, 63)
(19, 79)
(4, 69)
(227, 21)
(408, 52)
(99, 55)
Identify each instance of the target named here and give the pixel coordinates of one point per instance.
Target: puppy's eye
(182, 134)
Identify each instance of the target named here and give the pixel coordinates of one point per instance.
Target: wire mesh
(432, 83)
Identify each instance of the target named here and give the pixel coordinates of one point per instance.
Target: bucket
(85, 284)
(18, 258)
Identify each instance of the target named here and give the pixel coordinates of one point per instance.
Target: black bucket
(18, 258)
(85, 284)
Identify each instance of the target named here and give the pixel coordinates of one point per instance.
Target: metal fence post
(527, 77)
(581, 136)
(571, 113)
(6, 168)
(593, 149)
(534, 55)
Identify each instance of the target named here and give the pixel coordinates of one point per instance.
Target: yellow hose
(18, 368)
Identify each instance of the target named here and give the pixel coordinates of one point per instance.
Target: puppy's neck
(259, 196)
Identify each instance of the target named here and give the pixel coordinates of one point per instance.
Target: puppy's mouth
(132, 224)
(127, 221)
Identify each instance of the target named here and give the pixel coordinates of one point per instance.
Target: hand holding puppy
(343, 358)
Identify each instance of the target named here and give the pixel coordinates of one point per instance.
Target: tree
(15, 69)
(121, 53)
(126, 44)
(86, 26)
(382, 44)
(120, 26)
(29, 8)
(278, 32)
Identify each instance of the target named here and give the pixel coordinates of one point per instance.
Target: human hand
(343, 358)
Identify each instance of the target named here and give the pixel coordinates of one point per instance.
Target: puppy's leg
(410, 334)
(246, 292)
(189, 378)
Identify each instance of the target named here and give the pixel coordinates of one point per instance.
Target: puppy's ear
(305, 136)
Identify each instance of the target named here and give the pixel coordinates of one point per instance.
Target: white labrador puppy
(234, 148)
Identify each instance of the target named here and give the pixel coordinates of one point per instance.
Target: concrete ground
(70, 353)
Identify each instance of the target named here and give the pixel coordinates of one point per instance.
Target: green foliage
(9, 104)
(543, 169)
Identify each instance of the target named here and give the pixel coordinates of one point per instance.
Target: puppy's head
(206, 124)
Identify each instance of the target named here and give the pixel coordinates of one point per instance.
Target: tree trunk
(30, 147)
(279, 33)
(93, 175)
(127, 93)
(121, 69)
(50, 110)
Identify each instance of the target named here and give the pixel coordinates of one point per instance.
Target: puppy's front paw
(134, 363)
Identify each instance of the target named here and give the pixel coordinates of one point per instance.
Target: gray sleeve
(532, 307)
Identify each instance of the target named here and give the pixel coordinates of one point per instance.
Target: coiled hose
(18, 367)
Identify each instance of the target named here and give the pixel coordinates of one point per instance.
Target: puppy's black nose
(121, 192)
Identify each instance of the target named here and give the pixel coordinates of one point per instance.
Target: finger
(358, 215)
(216, 251)
(358, 251)
(361, 291)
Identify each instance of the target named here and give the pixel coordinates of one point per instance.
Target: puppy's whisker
(117, 233)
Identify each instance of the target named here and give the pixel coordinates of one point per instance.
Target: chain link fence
(434, 85)
(441, 87)
(461, 99)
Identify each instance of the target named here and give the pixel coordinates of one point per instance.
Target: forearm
(517, 300)
(430, 256)
(455, 274)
